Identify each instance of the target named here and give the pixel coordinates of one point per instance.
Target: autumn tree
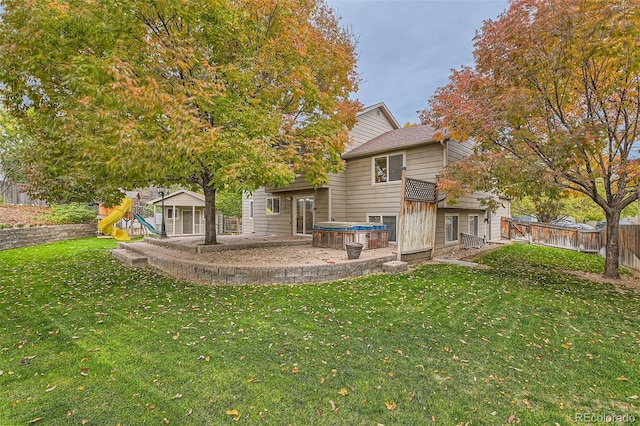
(215, 94)
(554, 98)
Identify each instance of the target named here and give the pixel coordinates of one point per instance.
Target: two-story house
(369, 189)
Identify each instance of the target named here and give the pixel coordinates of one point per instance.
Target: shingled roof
(394, 139)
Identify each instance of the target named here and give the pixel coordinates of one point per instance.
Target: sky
(407, 48)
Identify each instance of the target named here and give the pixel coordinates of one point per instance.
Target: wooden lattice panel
(418, 190)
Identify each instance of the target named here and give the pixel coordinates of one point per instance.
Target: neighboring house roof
(168, 198)
(395, 139)
(385, 110)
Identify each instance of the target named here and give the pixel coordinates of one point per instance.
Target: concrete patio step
(129, 257)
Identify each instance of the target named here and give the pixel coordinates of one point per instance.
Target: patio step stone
(395, 267)
(129, 257)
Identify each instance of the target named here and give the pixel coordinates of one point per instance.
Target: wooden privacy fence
(576, 239)
(629, 240)
(417, 220)
(553, 236)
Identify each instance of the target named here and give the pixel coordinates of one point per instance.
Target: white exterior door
(304, 216)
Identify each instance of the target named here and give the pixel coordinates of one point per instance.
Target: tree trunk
(209, 215)
(612, 260)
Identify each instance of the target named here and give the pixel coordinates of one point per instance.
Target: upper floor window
(388, 168)
(273, 205)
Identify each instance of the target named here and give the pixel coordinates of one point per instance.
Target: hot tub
(336, 234)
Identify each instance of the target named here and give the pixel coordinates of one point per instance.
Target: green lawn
(85, 340)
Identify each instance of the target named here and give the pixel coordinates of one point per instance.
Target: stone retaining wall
(31, 236)
(285, 274)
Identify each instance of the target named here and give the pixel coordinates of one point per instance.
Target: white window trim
(266, 209)
(173, 213)
(457, 234)
(373, 168)
(477, 216)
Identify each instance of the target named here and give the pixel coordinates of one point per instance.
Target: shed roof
(394, 139)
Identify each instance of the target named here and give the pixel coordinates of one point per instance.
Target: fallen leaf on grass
(333, 405)
(26, 360)
(343, 391)
(37, 419)
(51, 388)
(633, 397)
(177, 396)
(623, 379)
(236, 415)
(391, 405)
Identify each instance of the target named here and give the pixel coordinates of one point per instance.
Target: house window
(450, 228)
(173, 213)
(388, 168)
(474, 220)
(390, 221)
(273, 205)
(251, 209)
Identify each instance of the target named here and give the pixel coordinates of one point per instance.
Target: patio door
(304, 215)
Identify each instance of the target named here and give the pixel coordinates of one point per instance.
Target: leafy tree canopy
(553, 103)
(211, 93)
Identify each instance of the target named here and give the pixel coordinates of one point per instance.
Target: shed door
(187, 222)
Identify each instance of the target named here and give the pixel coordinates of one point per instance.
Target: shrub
(61, 214)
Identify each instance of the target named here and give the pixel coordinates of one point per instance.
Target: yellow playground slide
(106, 224)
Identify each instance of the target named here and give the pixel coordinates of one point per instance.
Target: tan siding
(278, 223)
(363, 197)
(298, 184)
(463, 225)
(183, 199)
(425, 162)
(321, 204)
(259, 216)
(247, 221)
(457, 150)
(338, 191)
(370, 124)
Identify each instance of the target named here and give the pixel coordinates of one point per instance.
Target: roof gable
(182, 194)
(384, 109)
(395, 139)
